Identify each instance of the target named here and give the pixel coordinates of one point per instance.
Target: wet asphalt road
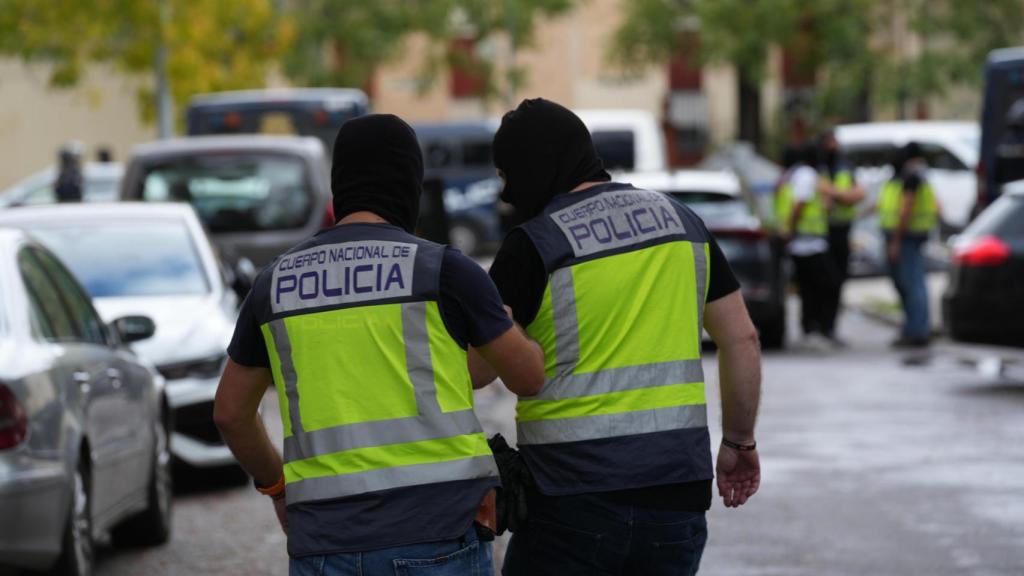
(873, 463)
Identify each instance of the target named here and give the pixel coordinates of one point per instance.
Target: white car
(950, 148)
(153, 260)
(626, 140)
(101, 181)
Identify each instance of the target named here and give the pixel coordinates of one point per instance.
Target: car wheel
(78, 552)
(464, 238)
(153, 525)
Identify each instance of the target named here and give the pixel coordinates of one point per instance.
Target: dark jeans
(595, 535)
(466, 556)
(908, 275)
(839, 253)
(819, 283)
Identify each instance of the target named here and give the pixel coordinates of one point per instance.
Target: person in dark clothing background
(836, 177)
(628, 473)
(68, 187)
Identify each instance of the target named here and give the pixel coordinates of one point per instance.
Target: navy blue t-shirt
(472, 311)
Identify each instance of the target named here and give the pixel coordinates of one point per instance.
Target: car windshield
(137, 258)
(235, 192)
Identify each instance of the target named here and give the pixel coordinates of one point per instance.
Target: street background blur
(875, 460)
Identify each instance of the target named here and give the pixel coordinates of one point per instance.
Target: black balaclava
(543, 150)
(378, 167)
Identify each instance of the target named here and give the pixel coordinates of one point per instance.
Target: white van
(626, 140)
(950, 148)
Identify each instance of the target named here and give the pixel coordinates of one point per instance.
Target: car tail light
(13, 420)
(321, 117)
(985, 251)
(328, 215)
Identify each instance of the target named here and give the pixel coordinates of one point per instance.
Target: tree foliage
(853, 45)
(342, 42)
(210, 44)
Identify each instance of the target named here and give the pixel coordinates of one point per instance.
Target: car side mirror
(133, 328)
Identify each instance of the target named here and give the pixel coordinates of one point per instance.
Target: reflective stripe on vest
(813, 220)
(373, 396)
(842, 213)
(924, 212)
(782, 206)
(611, 371)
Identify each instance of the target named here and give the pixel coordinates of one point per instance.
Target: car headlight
(210, 367)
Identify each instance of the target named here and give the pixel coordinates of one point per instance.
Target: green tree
(209, 44)
(342, 42)
(857, 50)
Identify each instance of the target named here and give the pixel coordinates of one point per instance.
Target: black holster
(516, 481)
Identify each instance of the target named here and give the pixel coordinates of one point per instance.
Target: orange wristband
(276, 491)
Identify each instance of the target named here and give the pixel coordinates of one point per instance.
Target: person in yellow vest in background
(845, 195)
(617, 284)
(908, 212)
(363, 329)
(802, 208)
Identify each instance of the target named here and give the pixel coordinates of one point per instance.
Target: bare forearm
(480, 372)
(252, 447)
(739, 369)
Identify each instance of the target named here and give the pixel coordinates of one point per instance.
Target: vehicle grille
(196, 421)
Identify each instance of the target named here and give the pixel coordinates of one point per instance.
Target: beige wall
(35, 119)
(566, 64)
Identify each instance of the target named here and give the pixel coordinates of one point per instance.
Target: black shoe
(905, 342)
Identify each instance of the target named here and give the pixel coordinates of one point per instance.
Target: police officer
(802, 205)
(616, 284)
(363, 329)
(908, 211)
(844, 196)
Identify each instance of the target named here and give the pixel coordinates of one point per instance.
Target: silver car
(257, 195)
(154, 260)
(83, 422)
(100, 179)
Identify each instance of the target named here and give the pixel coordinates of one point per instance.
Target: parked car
(83, 422)
(153, 259)
(317, 112)
(256, 195)
(626, 140)
(101, 181)
(459, 155)
(717, 198)
(1002, 151)
(950, 148)
(983, 301)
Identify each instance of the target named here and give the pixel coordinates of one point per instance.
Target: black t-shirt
(519, 273)
(469, 304)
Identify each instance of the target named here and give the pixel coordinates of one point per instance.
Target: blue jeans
(594, 535)
(908, 274)
(466, 556)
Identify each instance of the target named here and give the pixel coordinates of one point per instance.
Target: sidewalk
(876, 297)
